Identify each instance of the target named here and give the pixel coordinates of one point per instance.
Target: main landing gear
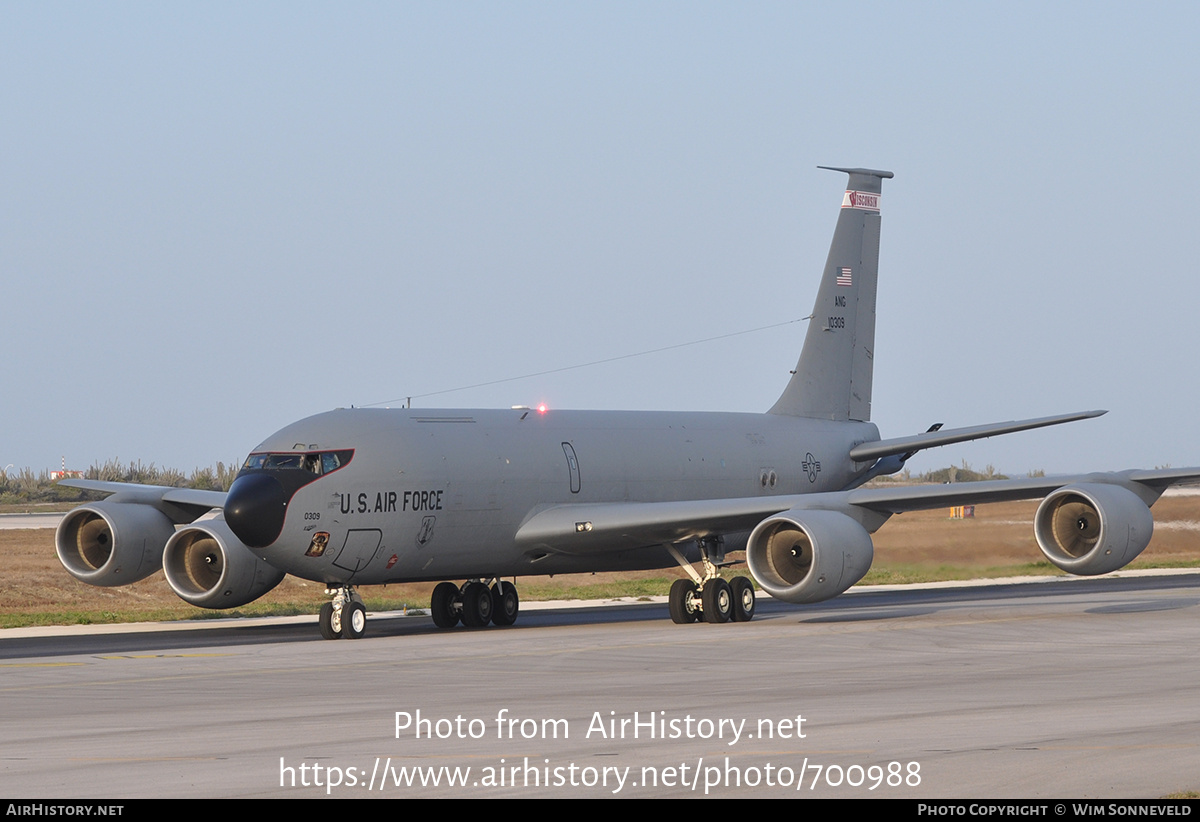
(344, 617)
(475, 604)
(709, 598)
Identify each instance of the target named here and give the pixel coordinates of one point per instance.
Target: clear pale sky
(218, 218)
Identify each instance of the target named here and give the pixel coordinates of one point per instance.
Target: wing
(810, 547)
(583, 528)
(191, 499)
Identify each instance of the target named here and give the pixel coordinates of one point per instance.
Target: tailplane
(832, 381)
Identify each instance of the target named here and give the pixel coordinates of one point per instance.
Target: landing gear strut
(475, 604)
(709, 597)
(345, 616)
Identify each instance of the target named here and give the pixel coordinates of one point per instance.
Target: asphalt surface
(1082, 688)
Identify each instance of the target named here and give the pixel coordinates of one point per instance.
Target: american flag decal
(843, 277)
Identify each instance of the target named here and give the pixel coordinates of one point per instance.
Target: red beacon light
(541, 409)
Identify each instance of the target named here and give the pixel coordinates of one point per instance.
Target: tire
(477, 605)
(743, 599)
(442, 605)
(326, 622)
(682, 602)
(505, 603)
(718, 601)
(354, 620)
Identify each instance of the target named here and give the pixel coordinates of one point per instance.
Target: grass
(912, 573)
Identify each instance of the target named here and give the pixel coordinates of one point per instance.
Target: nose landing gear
(344, 617)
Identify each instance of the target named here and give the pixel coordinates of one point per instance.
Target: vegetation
(27, 488)
(963, 473)
(953, 473)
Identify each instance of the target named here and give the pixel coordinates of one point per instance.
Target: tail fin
(832, 381)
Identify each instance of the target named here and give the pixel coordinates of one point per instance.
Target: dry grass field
(915, 546)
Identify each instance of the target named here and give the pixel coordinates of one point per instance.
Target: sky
(218, 218)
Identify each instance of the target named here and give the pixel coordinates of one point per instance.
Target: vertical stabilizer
(832, 381)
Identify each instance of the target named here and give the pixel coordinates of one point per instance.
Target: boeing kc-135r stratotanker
(370, 496)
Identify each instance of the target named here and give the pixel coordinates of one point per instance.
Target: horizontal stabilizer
(908, 445)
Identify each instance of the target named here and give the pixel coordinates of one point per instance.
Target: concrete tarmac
(1079, 688)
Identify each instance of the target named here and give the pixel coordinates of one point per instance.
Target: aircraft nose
(255, 508)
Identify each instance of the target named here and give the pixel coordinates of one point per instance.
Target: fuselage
(389, 495)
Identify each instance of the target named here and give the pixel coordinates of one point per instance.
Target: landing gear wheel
(442, 605)
(326, 620)
(477, 605)
(505, 603)
(717, 601)
(682, 602)
(743, 599)
(354, 620)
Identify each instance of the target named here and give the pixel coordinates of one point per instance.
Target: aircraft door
(359, 549)
(572, 466)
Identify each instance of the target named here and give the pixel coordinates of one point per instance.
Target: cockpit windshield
(315, 462)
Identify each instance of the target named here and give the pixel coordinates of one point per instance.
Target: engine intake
(1092, 528)
(209, 567)
(808, 556)
(112, 543)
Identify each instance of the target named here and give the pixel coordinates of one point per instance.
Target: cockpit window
(315, 462)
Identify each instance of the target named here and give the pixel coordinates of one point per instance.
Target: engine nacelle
(1092, 528)
(210, 568)
(112, 543)
(808, 556)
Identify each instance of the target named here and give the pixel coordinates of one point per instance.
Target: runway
(1080, 688)
(10, 522)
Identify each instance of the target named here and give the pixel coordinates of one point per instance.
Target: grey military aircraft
(370, 496)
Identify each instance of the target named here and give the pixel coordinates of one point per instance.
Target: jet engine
(210, 568)
(112, 543)
(1092, 528)
(808, 556)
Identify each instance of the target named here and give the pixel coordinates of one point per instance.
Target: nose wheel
(345, 617)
